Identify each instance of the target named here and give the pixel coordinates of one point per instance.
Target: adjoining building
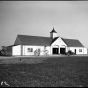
(27, 45)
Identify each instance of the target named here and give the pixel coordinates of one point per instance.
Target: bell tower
(53, 33)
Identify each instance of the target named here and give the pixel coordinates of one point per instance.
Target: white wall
(84, 50)
(16, 50)
(59, 42)
(66, 49)
(48, 48)
(25, 49)
(53, 35)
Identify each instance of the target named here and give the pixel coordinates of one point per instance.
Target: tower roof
(53, 31)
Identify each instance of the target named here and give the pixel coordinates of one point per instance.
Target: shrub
(69, 53)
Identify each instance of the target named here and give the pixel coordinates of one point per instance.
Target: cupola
(53, 33)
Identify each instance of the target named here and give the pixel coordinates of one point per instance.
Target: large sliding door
(55, 50)
(62, 50)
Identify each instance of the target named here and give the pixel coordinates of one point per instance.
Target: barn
(54, 45)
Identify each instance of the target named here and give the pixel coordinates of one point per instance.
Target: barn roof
(54, 39)
(72, 42)
(44, 41)
(33, 40)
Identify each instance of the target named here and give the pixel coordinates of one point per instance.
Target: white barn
(55, 45)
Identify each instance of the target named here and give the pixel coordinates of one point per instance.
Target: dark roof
(33, 40)
(72, 42)
(10, 46)
(45, 41)
(54, 39)
(53, 31)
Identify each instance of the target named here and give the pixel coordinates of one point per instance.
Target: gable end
(17, 41)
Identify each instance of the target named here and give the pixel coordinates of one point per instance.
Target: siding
(25, 49)
(9, 51)
(85, 50)
(77, 49)
(16, 50)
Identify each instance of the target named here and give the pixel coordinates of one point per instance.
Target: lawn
(67, 71)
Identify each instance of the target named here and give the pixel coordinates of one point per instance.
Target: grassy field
(44, 72)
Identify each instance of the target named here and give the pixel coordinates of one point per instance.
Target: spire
(53, 31)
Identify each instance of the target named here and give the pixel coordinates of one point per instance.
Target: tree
(3, 51)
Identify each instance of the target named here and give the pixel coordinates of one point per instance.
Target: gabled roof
(44, 41)
(32, 40)
(54, 39)
(53, 31)
(10, 46)
(72, 42)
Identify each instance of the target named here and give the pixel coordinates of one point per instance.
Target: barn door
(55, 50)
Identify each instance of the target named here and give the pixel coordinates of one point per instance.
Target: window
(30, 49)
(80, 50)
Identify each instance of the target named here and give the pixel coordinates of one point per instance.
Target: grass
(45, 72)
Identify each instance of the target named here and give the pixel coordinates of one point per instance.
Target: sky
(37, 18)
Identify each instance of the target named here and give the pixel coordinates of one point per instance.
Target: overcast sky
(37, 18)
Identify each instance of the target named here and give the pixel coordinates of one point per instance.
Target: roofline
(31, 45)
(54, 40)
(12, 45)
(53, 31)
(68, 38)
(34, 36)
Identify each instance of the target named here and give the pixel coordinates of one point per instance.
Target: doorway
(62, 50)
(55, 50)
(75, 51)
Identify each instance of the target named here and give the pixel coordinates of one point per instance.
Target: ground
(54, 71)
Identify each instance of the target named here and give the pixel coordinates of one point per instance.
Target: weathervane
(53, 26)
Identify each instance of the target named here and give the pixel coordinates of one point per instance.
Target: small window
(80, 50)
(30, 49)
